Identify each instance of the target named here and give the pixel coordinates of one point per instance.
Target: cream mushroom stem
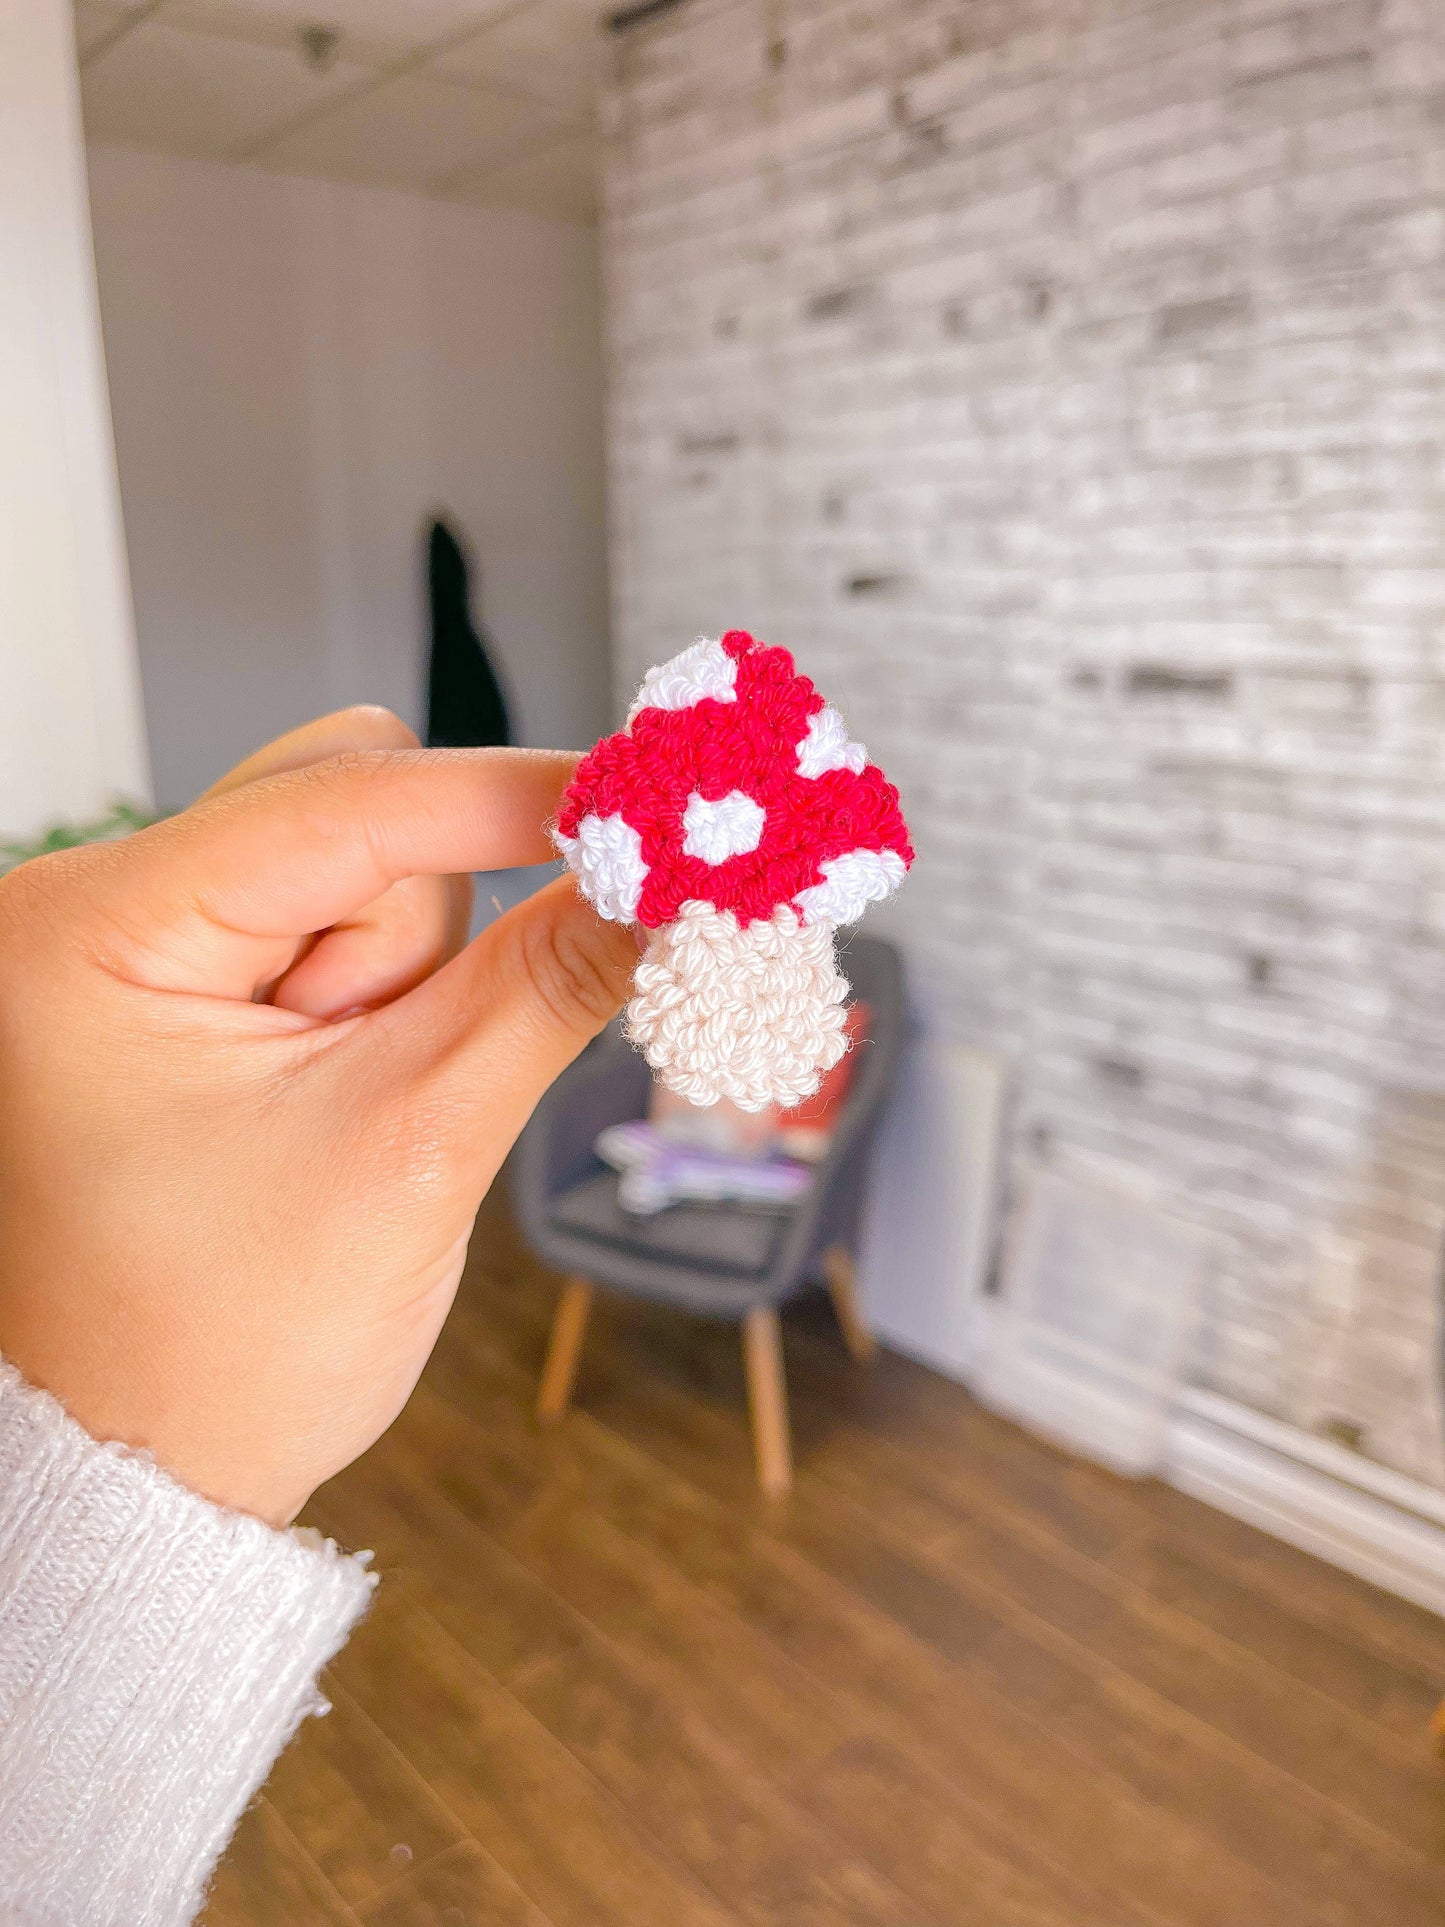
(751, 1012)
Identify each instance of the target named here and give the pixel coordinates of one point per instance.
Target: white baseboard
(1047, 1389)
(1372, 1522)
(1362, 1517)
(1380, 1525)
(924, 1267)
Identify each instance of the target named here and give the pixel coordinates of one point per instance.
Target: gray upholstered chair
(717, 1260)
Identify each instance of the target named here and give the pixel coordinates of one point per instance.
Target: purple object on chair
(656, 1172)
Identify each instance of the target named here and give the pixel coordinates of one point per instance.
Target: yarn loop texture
(774, 742)
(753, 1013)
(736, 819)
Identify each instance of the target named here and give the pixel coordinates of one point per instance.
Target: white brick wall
(1065, 381)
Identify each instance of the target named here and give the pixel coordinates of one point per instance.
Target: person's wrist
(129, 1409)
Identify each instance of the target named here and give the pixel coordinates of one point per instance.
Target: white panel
(190, 93)
(70, 729)
(409, 133)
(929, 1225)
(559, 178)
(1099, 1299)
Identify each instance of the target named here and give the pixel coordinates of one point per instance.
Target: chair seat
(722, 1239)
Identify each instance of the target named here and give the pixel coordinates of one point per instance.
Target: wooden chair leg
(768, 1400)
(843, 1290)
(564, 1348)
(1437, 1729)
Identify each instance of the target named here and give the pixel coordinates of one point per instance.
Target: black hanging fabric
(465, 705)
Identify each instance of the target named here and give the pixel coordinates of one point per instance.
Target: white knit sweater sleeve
(156, 1653)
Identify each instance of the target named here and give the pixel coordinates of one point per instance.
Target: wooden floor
(957, 1678)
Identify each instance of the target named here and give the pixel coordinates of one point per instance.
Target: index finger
(203, 899)
(362, 726)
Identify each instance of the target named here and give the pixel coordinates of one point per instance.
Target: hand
(251, 1095)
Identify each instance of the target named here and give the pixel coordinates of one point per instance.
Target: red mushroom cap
(747, 795)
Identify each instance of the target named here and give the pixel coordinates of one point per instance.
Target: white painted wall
(70, 727)
(299, 373)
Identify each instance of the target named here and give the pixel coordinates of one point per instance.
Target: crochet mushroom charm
(736, 820)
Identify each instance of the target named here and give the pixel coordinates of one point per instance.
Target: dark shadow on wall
(466, 707)
(466, 704)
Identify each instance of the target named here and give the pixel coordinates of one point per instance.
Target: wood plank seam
(636, 1666)
(664, 1852)
(1177, 1716)
(874, 1549)
(1087, 1765)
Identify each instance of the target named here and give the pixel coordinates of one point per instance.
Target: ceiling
(484, 101)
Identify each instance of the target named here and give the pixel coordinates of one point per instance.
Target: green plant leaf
(119, 820)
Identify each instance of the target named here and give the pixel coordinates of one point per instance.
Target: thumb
(497, 1024)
